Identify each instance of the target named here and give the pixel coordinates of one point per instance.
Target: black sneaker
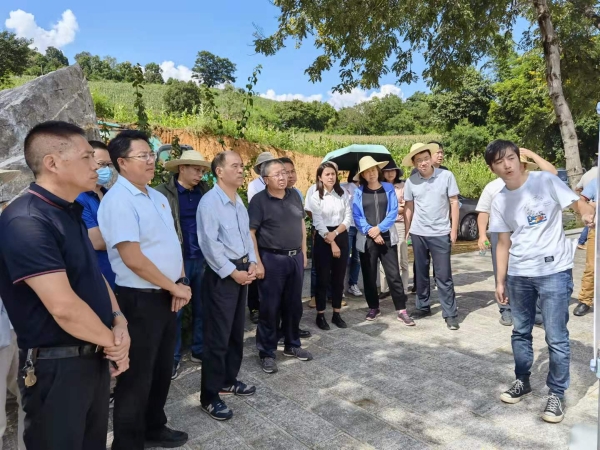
(420, 313)
(175, 372)
(322, 323)
(304, 334)
(218, 410)
(196, 358)
(238, 388)
(254, 316)
(165, 438)
(268, 365)
(517, 391)
(383, 295)
(506, 318)
(281, 343)
(452, 323)
(555, 411)
(337, 320)
(298, 352)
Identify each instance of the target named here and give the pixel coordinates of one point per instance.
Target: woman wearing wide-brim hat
(375, 210)
(393, 174)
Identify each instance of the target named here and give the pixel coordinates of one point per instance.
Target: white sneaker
(355, 291)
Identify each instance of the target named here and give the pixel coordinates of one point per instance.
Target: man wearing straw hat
(9, 352)
(431, 196)
(184, 191)
(257, 185)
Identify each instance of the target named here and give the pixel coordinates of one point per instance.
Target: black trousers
(224, 303)
(388, 255)
(67, 408)
(440, 248)
(253, 299)
(280, 293)
(330, 271)
(142, 391)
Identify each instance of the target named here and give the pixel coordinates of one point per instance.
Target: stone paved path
(386, 386)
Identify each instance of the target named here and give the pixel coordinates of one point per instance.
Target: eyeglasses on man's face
(282, 174)
(143, 157)
(104, 164)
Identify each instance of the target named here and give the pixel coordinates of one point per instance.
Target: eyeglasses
(421, 161)
(278, 175)
(103, 165)
(143, 157)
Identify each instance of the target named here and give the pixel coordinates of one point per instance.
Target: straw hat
(8, 175)
(528, 165)
(365, 163)
(417, 148)
(188, 158)
(262, 158)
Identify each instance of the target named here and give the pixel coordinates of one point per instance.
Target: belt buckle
(292, 252)
(244, 259)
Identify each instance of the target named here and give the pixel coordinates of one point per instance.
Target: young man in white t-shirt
(536, 260)
(484, 206)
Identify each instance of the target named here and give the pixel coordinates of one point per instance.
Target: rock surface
(61, 95)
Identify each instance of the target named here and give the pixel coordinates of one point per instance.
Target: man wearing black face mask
(91, 202)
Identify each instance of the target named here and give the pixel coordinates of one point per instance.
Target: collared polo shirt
(224, 231)
(41, 233)
(91, 202)
(127, 214)
(257, 185)
(431, 212)
(278, 222)
(188, 206)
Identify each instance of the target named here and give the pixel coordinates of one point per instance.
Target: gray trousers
(494, 244)
(440, 249)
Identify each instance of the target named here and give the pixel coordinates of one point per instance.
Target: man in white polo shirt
(534, 259)
(145, 254)
(431, 197)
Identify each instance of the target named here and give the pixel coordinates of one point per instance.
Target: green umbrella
(347, 158)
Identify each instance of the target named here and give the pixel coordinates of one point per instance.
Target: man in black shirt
(59, 303)
(279, 235)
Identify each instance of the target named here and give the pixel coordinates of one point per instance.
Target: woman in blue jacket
(375, 209)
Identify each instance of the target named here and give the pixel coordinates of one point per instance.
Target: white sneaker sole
(553, 419)
(512, 400)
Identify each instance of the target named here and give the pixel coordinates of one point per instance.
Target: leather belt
(242, 260)
(67, 352)
(142, 290)
(282, 252)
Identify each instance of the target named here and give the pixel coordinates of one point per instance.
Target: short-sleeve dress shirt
(330, 211)
(127, 214)
(41, 233)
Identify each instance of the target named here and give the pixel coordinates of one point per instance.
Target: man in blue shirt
(586, 295)
(145, 253)
(231, 267)
(184, 191)
(91, 202)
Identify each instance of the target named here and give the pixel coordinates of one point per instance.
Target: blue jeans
(583, 236)
(194, 270)
(354, 260)
(554, 293)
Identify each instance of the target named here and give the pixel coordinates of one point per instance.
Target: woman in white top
(331, 213)
(392, 174)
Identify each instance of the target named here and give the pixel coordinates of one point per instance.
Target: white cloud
(62, 33)
(180, 72)
(336, 99)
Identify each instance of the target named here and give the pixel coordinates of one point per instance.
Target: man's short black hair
(98, 145)
(286, 160)
(34, 154)
(438, 143)
(120, 146)
(497, 149)
(218, 161)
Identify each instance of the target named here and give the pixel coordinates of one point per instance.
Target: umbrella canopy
(347, 158)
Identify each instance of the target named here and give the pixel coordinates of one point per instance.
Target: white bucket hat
(188, 158)
(365, 163)
(262, 158)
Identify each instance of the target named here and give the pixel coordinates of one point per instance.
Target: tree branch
(588, 11)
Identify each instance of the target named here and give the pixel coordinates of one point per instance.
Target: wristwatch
(183, 280)
(336, 233)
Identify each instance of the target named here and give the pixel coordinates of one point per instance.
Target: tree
(124, 72)
(313, 116)
(153, 74)
(14, 55)
(362, 38)
(182, 97)
(56, 57)
(213, 70)
(40, 64)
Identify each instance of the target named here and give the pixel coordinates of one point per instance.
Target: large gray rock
(61, 95)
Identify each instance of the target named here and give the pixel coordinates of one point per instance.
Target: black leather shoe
(384, 295)
(420, 313)
(304, 334)
(254, 316)
(165, 438)
(338, 321)
(582, 309)
(322, 323)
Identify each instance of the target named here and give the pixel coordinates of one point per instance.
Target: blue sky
(171, 33)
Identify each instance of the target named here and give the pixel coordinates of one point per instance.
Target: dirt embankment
(306, 165)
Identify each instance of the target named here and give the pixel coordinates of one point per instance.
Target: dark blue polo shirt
(188, 205)
(91, 202)
(41, 233)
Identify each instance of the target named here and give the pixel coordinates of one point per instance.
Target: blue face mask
(104, 176)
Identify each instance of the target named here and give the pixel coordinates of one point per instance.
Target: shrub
(182, 97)
(104, 108)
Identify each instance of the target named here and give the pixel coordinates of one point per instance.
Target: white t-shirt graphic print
(533, 213)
